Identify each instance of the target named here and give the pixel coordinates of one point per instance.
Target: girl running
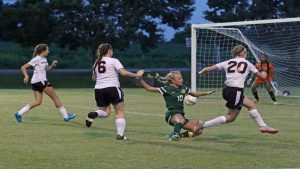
(40, 83)
(107, 88)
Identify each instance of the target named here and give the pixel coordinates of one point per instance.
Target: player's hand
(54, 63)
(26, 79)
(201, 72)
(211, 92)
(140, 72)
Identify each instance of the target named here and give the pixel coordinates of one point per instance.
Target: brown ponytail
(101, 51)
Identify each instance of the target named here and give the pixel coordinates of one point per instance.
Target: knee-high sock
(255, 95)
(25, 109)
(257, 118)
(120, 123)
(177, 128)
(271, 93)
(215, 122)
(63, 111)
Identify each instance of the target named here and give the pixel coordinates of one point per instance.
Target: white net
(279, 39)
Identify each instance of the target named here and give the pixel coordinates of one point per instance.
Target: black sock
(271, 93)
(93, 115)
(255, 95)
(177, 128)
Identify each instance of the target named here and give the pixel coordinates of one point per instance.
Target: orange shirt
(264, 67)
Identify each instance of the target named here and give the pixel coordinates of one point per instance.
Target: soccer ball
(190, 100)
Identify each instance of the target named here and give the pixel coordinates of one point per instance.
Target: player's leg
(101, 112)
(254, 91)
(234, 98)
(255, 115)
(49, 90)
(102, 98)
(178, 121)
(120, 120)
(38, 95)
(270, 91)
(194, 128)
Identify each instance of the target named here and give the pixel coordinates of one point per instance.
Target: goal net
(278, 38)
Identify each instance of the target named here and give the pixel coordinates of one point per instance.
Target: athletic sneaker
(70, 117)
(175, 137)
(277, 103)
(18, 117)
(119, 137)
(268, 129)
(89, 122)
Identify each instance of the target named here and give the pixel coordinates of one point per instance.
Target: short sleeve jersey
(236, 70)
(107, 73)
(174, 97)
(40, 65)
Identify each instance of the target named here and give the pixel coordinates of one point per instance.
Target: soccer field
(45, 141)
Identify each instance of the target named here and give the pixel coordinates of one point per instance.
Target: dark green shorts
(169, 116)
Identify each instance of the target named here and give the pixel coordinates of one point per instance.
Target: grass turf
(45, 141)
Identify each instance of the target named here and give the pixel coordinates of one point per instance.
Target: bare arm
(94, 75)
(24, 72)
(261, 75)
(126, 73)
(208, 69)
(198, 94)
(53, 65)
(148, 87)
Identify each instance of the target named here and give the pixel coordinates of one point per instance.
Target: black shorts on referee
(234, 97)
(108, 95)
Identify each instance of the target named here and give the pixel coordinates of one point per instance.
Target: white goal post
(278, 38)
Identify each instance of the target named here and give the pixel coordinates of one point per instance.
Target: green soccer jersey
(174, 97)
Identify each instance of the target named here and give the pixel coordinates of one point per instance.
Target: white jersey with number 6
(237, 70)
(107, 73)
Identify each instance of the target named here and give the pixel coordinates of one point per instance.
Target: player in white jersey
(237, 69)
(107, 88)
(40, 83)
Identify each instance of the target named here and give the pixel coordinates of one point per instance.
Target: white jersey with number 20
(236, 70)
(107, 73)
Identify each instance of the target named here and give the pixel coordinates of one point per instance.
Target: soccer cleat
(169, 135)
(70, 117)
(89, 122)
(268, 129)
(18, 117)
(119, 137)
(277, 103)
(175, 137)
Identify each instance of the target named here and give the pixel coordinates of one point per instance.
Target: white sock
(25, 109)
(215, 122)
(120, 123)
(63, 111)
(257, 118)
(101, 113)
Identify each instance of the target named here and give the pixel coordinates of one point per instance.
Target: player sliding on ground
(40, 84)
(237, 69)
(107, 88)
(263, 65)
(174, 92)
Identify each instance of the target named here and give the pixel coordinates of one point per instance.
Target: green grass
(45, 141)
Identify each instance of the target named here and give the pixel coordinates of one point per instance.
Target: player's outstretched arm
(53, 65)
(24, 72)
(198, 94)
(208, 69)
(126, 73)
(262, 74)
(147, 86)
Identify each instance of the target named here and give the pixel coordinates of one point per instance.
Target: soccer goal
(278, 38)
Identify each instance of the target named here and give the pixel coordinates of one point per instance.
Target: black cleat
(119, 137)
(89, 122)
